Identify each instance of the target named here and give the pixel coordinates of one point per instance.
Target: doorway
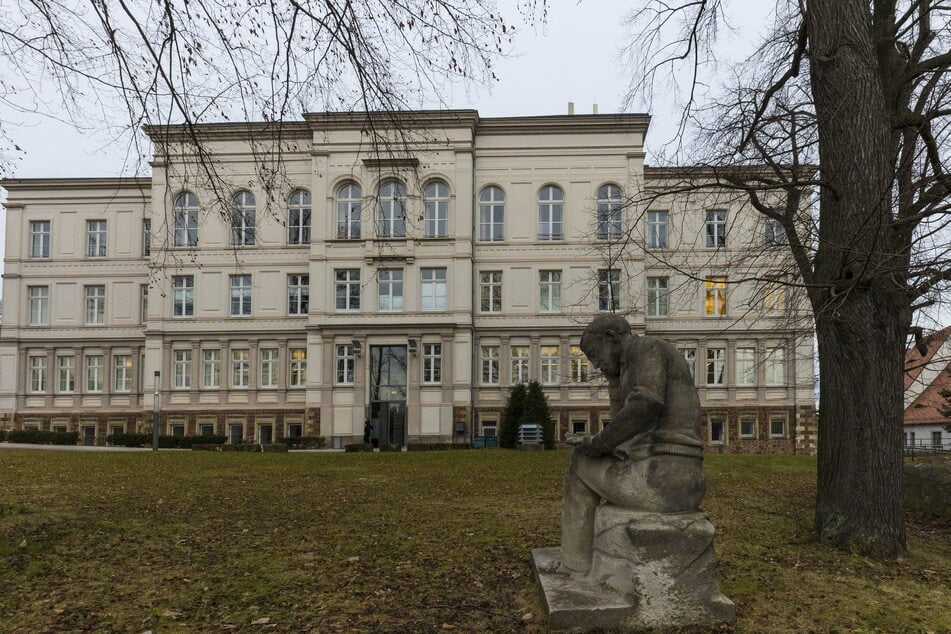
(388, 373)
(89, 435)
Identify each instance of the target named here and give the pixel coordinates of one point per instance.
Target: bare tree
(847, 100)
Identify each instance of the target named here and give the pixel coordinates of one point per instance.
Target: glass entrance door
(388, 394)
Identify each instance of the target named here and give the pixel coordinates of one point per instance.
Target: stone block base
(648, 570)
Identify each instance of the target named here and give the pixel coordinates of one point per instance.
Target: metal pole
(155, 411)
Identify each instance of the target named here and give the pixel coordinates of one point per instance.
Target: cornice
(398, 120)
(570, 123)
(143, 183)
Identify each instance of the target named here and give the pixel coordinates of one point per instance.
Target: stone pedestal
(648, 570)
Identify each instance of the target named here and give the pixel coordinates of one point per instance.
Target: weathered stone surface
(928, 487)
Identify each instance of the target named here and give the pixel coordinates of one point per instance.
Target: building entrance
(388, 395)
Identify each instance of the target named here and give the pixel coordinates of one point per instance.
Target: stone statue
(635, 549)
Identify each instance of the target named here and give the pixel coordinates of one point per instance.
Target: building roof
(931, 354)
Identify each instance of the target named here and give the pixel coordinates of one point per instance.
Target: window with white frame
(67, 373)
(657, 296)
(579, 426)
(95, 303)
(298, 367)
(549, 291)
(38, 300)
(182, 369)
(436, 210)
(240, 368)
(211, 368)
(298, 217)
(746, 366)
(146, 237)
(490, 291)
(714, 301)
(716, 229)
(38, 374)
(390, 289)
(777, 426)
(185, 220)
(491, 214)
(747, 426)
(392, 221)
(521, 357)
(774, 297)
(298, 294)
(183, 295)
(690, 356)
(657, 229)
(549, 365)
(433, 289)
(775, 366)
(609, 213)
(143, 303)
(551, 210)
(122, 373)
(490, 365)
(268, 365)
(609, 289)
(40, 239)
(95, 238)
(774, 233)
(346, 362)
(349, 205)
(347, 289)
(94, 373)
(716, 366)
(243, 219)
(240, 295)
(432, 363)
(579, 365)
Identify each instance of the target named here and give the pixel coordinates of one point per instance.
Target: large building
(406, 269)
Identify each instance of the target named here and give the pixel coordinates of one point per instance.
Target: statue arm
(642, 405)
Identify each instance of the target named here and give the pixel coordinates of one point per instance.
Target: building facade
(400, 270)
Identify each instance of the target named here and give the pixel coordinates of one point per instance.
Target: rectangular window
(146, 237)
(298, 294)
(67, 374)
(520, 364)
(747, 426)
(240, 295)
(40, 239)
(777, 426)
(490, 291)
(183, 295)
(433, 291)
(143, 303)
(95, 305)
(183, 368)
(690, 356)
(549, 291)
(347, 289)
(432, 363)
(269, 367)
(38, 374)
(206, 429)
(298, 225)
(38, 299)
(240, 368)
(717, 429)
(235, 433)
(716, 364)
(185, 220)
(95, 238)
(211, 368)
(346, 361)
(94, 373)
(122, 366)
(490, 365)
(774, 233)
(715, 296)
(657, 229)
(295, 430)
(745, 366)
(390, 294)
(774, 298)
(243, 222)
(491, 215)
(579, 365)
(549, 364)
(936, 440)
(436, 211)
(609, 289)
(775, 366)
(298, 367)
(716, 229)
(657, 302)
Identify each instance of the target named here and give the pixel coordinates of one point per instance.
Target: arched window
(436, 207)
(609, 212)
(349, 201)
(298, 217)
(392, 210)
(491, 214)
(185, 220)
(551, 211)
(242, 219)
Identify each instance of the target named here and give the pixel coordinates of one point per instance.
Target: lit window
(549, 291)
(243, 219)
(716, 229)
(347, 289)
(40, 239)
(715, 296)
(775, 366)
(95, 305)
(609, 213)
(240, 368)
(657, 296)
(436, 209)
(491, 214)
(390, 292)
(392, 222)
(609, 289)
(39, 305)
(716, 365)
(240, 295)
(520, 364)
(745, 366)
(268, 366)
(185, 220)
(298, 218)
(349, 203)
(122, 375)
(37, 374)
(298, 294)
(549, 364)
(774, 298)
(346, 361)
(211, 368)
(551, 209)
(657, 229)
(67, 374)
(433, 289)
(96, 238)
(183, 368)
(183, 295)
(490, 290)
(432, 363)
(298, 367)
(490, 365)
(94, 373)
(579, 365)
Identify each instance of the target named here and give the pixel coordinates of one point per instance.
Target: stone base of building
(649, 570)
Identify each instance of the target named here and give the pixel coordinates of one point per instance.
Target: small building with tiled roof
(927, 375)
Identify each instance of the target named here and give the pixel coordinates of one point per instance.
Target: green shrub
(3, 435)
(129, 440)
(305, 442)
(358, 447)
(512, 417)
(274, 448)
(165, 442)
(36, 437)
(436, 446)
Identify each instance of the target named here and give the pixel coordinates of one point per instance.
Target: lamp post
(155, 411)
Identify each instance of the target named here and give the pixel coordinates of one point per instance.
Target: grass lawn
(201, 541)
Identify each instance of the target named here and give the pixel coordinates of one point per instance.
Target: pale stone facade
(484, 272)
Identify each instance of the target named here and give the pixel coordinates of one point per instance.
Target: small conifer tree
(537, 412)
(511, 417)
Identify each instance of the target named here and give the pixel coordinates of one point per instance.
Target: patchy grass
(201, 541)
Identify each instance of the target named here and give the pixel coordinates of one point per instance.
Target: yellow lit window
(715, 300)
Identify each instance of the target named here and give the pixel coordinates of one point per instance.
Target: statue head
(602, 342)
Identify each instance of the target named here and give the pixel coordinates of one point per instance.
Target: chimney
(571, 107)
(594, 109)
